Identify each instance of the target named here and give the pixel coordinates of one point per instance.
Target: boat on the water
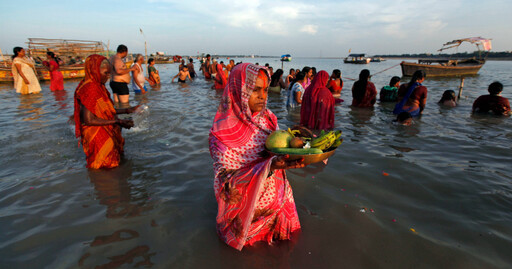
(286, 58)
(450, 67)
(376, 59)
(72, 52)
(356, 58)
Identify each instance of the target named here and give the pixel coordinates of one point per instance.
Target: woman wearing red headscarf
(255, 200)
(317, 111)
(95, 117)
(220, 78)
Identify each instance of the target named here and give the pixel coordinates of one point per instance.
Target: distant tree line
(500, 55)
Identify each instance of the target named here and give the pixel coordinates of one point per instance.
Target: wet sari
(56, 77)
(103, 145)
(220, 79)
(28, 69)
(254, 204)
(317, 111)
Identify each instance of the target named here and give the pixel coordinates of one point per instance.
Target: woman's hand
(282, 162)
(125, 123)
(132, 109)
(26, 81)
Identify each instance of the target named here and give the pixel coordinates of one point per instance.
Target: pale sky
(325, 28)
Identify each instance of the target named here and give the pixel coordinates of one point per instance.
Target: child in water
(403, 118)
(183, 75)
(448, 99)
(390, 93)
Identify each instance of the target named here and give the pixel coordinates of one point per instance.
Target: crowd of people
(255, 200)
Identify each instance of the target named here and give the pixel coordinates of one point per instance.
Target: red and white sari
(253, 203)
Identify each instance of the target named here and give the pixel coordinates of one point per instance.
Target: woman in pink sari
(317, 111)
(255, 200)
(56, 78)
(220, 78)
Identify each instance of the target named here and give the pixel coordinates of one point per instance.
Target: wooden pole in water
(460, 88)
(146, 52)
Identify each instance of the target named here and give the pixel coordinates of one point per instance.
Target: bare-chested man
(206, 67)
(120, 76)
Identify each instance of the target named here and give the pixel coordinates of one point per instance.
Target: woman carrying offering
(317, 111)
(412, 97)
(364, 93)
(56, 78)
(255, 200)
(25, 78)
(96, 121)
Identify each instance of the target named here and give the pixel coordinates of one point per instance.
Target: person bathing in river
(96, 122)
(493, 101)
(182, 75)
(290, 78)
(120, 76)
(449, 99)
(317, 109)
(412, 97)
(335, 84)
(255, 201)
(23, 72)
(191, 70)
(56, 78)
(308, 73)
(364, 93)
(220, 80)
(389, 93)
(138, 78)
(153, 76)
(296, 92)
(276, 82)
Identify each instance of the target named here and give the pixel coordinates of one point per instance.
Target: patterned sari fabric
(103, 145)
(220, 76)
(317, 111)
(253, 204)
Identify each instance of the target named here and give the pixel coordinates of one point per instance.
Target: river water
(436, 194)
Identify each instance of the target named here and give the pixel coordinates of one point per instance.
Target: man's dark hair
(495, 87)
(122, 48)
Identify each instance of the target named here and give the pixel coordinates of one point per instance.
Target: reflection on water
(29, 108)
(61, 99)
(122, 200)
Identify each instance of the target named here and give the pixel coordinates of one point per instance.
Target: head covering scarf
(317, 111)
(220, 75)
(252, 206)
(102, 145)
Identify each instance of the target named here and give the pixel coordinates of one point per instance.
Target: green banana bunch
(324, 141)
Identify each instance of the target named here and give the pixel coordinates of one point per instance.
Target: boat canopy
(478, 41)
(356, 55)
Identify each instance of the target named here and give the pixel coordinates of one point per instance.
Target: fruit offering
(299, 140)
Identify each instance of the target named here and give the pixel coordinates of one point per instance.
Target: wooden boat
(449, 67)
(64, 49)
(443, 67)
(68, 72)
(356, 59)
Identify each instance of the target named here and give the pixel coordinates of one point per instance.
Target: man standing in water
(206, 67)
(120, 75)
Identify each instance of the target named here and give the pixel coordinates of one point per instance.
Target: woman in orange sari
(95, 117)
(255, 200)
